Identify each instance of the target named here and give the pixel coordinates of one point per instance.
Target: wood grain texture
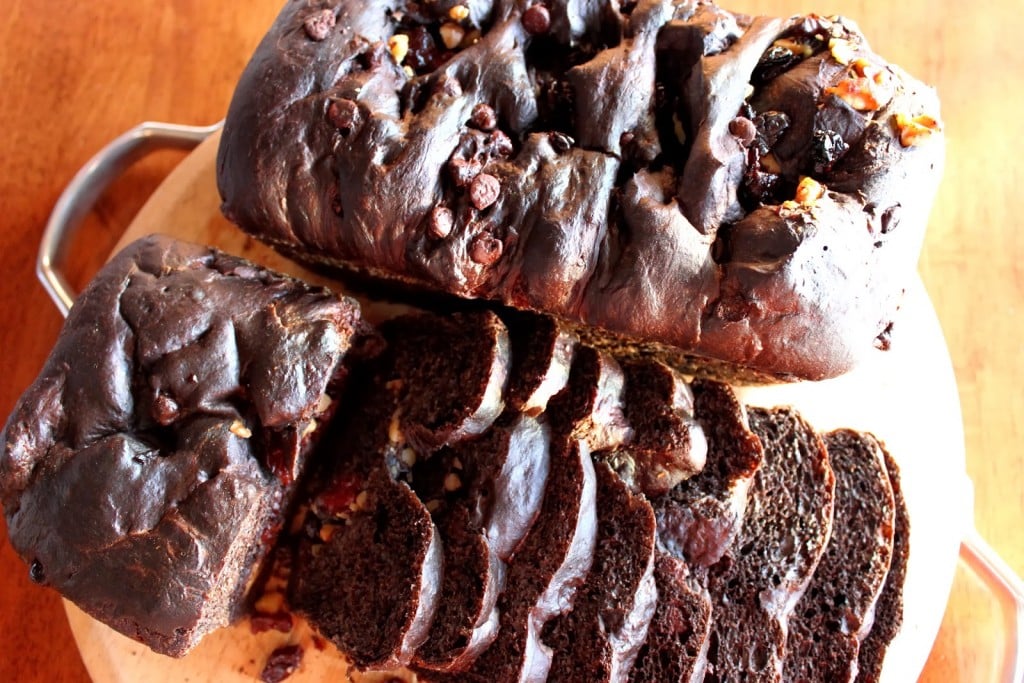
(74, 76)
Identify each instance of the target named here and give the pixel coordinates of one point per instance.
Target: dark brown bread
(700, 519)
(764, 573)
(546, 570)
(542, 352)
(697, 522)
(888, 615)
(836, 612)
(674, 213)
(485, 496)
(369, 564)
(590, 407)
(667, 445)
(145, 473)
(452, 371)
(677, 638)
(598, 640)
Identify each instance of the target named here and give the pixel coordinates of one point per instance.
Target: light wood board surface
(906, 396)
(75, 76)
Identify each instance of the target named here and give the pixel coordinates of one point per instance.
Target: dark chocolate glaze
(144, 472)
(609, 182)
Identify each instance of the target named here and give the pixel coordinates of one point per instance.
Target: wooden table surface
(75, 75)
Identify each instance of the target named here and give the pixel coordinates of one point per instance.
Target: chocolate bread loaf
(146, 472)
(837, 610)
(599, 639)
(439, 383)
(888, 615)
(542, 352)
(451, 373)
(762, 576)
(747, 195)
(485, 496)
(367, 525)
(698, 521)
(546, 570)
(667, 445)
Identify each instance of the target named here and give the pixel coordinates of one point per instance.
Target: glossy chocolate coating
(623, 198)
(144, 472)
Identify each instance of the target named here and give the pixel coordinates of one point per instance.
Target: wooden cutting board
(906, 396)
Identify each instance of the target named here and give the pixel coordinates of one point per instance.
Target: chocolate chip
(36, 572)
(560, 142)
(281, 664)
(318, 26)
(165, 410)
(440, 222)
(485, 249)
(501, 144)
(463, 171)
(744, 130)
(537, 20)
(344, 114)
(484, 191)
(484, 117)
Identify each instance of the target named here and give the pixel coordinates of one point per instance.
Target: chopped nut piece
(270, 602)
(395, 434)
(452, 482)
(407, 456)
(323, 403)
(458, 12)
(914, 130)
(842, 50)
(309, 428)
(796, 47)
(327, 531)
(809, 191)
(407, 70)
(452, 35)
(239, 429)
(859, 93)
(432, 505)
(398, 45)
(678, 129)
(361, 500)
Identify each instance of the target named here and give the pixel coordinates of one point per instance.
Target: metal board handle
(89, 183)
